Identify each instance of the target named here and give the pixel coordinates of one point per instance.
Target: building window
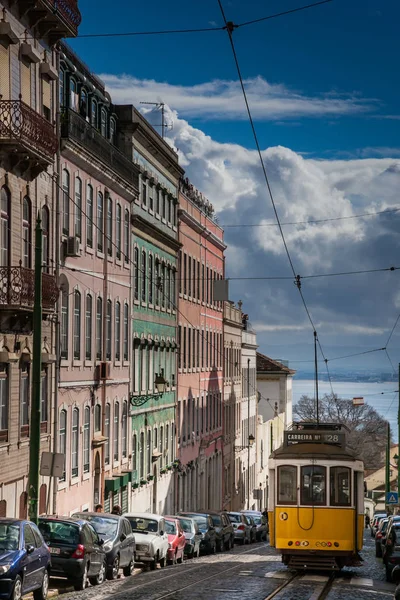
(124, 430)
(108, 329)
(99, 328)
(26, 233)
(144, 194)
(78, 207)
(168, 287)
(88, 327)
(169, 208)
(77, 325)
(173, 289)
(83, 105)
(65, 203)
(112, 130)
(107, 435)
(61, 87)
(100, 222)
(117, 331)
(149, 453)
(134, 457)
(116, 431)
(94, 113)
(136, 273)
(150, 279)
(143, 275)
(184, 348)
(46, 237)
(86, 441)
(126, 332)
(141, 456)
(89, 216)
(63, 438)
(157, 282)
(75, 443)
(151, 197)
(118, 230)
(164, 205)
(126, 236)
(97, 418)
(109, 226)
(64, 322)
(163, 285)
(4, 401)
(103, 124)
(44, 401)
(184, 275)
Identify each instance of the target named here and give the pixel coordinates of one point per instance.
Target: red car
(176, 540)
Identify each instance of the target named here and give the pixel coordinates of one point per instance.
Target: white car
(150, 537)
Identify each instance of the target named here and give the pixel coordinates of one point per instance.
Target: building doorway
(96, 479)
(155, 489)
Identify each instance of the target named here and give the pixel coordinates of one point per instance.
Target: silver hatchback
(241, 527)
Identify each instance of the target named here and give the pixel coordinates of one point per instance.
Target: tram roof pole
(316, 376)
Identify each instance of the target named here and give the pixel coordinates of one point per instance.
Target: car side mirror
(29, 548)
(123, 537)
(161, 532)
(100, 542)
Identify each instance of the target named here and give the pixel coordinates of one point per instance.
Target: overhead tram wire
(108, 240)
(284, 13)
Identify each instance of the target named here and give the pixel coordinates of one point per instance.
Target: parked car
(379, 536)
(253, 528)
(24, 560)
(223, 529)
(118, 541)
(176, 540)
(208, 542)
(241, 527)
(396, 579)
(192, 535)
(151, 538)
(77, 553)
(375, 521)
(391, 550)
(261, 524)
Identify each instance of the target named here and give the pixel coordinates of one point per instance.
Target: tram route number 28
(313, 437)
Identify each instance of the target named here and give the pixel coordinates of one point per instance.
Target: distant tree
(367, 428)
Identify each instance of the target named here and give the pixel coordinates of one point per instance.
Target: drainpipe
(103, 382)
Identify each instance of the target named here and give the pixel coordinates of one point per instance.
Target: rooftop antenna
(163, 125)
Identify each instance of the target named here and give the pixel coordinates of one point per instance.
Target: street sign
(392, 498)
(52, 464)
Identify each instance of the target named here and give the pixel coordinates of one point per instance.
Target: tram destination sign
(314, 437)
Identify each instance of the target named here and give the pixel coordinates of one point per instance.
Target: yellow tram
(316, 498)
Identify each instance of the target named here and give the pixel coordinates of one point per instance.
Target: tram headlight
(290, 543)
(336, 544)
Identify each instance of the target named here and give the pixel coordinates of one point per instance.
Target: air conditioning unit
(73, 246)
(105, 370)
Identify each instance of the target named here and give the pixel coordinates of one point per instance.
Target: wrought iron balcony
(77, 129)
(54, 19)
(27, 140)
(17, 289)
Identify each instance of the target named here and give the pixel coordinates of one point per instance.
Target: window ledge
(74, 480)
(89, 250)
(89, 363)
(77, 362)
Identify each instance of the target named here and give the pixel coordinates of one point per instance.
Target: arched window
(126, 332)
(83, 106)
(141, 456)
(118, 230)
(136, 273)
(88, 327)
(64, 319)
(46, 237)
(117, 331)
(26, 233)
(97, 418)
(150, 279)
(124, 430)
(169, 208)
(126, 236)
(78, 207)
(89, 216)
(75, 443)
(113, 128)
(77, 325)
(74, 103)
(86, 441)
(99, 328)
(143, 276)
(109, 226)
(103, 124)
(108, 329)
(157, 281)
(5, 227)
(173, 288)
(107, 435)
(63, 438)
(149, 453)
(100, 222)
(94, 113)
(65, 203)
(167, 290)
(62, 88)
(116, 431)
(163, 287)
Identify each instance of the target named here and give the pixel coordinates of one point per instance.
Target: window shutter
(15, 74)
(33, 86)
(26, 82)
(46, 96)
(4, 72)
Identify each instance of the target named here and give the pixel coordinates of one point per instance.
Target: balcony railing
(68, 9)
(20, 123)
(78, 129)
(17, 288)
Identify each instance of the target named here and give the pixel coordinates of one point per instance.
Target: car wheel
(388, 574)
(41, 593)
(153, 565)
(100, 577)
(162, 562)
(378, 551)
(180, 559)
(17, 589)
(220, 546)
(81, 583)
(197, 554)
(127, 571)
(114, 569)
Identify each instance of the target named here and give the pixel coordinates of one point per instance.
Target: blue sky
(323, 88)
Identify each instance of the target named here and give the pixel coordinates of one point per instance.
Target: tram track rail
(320, 593)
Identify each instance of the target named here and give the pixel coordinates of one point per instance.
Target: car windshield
(9, 536)
(257, 520)
(201, 522)
(186, 525)
(143, 525)
(106, 528)
(235, 518)
(217, 520)
(58, 532)
(170, 526)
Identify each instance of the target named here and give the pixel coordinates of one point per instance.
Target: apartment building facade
(155, 248)
(200, 366)
(28, 145)
(99, 183)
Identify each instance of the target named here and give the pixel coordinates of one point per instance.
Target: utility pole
(34, 425)
(248, 434)
(387, 477)
(398, 441)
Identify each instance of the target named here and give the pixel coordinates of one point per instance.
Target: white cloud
(222, 99)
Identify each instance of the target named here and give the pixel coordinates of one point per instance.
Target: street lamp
(160, 384)
(251, 441)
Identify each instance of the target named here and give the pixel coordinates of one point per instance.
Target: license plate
(54, 550)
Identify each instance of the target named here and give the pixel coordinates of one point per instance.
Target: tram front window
(313, 485)
(287, 485)
(340, 486)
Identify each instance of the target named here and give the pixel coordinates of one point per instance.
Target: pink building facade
(200, 364)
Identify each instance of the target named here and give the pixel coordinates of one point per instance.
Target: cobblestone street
(249, 573)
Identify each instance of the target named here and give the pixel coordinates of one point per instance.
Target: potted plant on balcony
(143, 481)
(135, 486)
(150, 477)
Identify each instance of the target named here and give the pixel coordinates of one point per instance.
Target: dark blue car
(24, 560)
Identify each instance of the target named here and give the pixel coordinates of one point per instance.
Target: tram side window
(340, 479)
(313, 485)
(287, 485)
